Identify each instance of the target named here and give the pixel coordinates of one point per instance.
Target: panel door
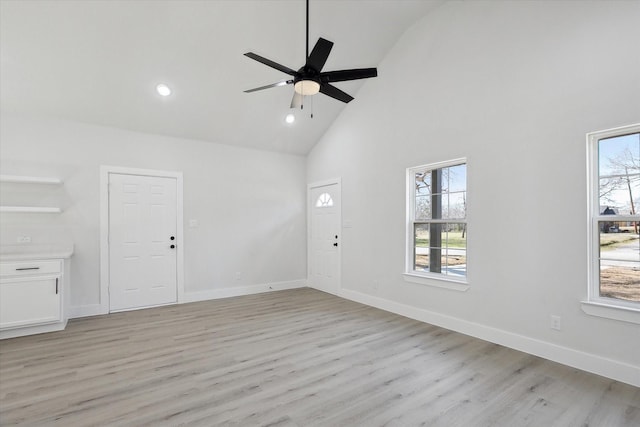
(142, 240)
(324, 242)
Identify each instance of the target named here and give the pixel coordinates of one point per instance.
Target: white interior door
(142, 241)
(324, 237)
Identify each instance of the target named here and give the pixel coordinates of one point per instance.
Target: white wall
(514, 87)
(250, 204)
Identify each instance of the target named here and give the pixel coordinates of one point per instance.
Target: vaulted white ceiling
(99, 62)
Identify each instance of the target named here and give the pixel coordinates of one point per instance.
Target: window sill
(438, 282)
(615, 312)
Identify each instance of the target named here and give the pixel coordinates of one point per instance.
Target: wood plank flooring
(291, 358)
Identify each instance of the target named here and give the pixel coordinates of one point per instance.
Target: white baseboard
(32, 330)
(609, 368)
(86, 311)
(97, 309)
(243, 290)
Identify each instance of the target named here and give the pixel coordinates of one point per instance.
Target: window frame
(596, 304)
(429, 278)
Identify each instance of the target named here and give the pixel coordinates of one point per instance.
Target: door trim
(318, 184)
(105, 171)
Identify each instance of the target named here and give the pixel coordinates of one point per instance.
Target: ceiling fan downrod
(306, 58)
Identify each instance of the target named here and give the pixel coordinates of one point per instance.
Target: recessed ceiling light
(163, 89)
(290, 118)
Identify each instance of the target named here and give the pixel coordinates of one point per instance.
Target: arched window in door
(324, 201)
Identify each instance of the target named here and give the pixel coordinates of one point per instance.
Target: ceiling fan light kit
(310, 79)
(307, 87)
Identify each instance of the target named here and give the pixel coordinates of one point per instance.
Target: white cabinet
(29, 301)
(31, 297)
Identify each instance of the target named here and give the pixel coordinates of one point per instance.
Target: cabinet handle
(56, 286)
(27, 268)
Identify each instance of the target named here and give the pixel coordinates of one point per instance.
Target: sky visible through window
(452, 193)
(619, 171)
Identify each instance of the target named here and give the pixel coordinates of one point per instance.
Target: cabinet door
(26, 301)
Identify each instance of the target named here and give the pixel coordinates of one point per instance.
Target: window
(614, 191)
(436, 221)
(324, 201)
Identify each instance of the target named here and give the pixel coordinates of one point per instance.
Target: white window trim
(425, 278)
(596, 305)
(436, 280)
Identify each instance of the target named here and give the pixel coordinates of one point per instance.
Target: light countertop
(29, 252)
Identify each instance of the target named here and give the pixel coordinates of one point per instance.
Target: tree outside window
(437, 220)
(615, 256)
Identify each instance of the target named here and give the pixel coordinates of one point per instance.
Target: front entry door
(324, 237)
(142, 241)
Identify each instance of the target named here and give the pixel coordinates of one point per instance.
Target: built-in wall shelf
(30, 209)
(30, 179)
(24, 179)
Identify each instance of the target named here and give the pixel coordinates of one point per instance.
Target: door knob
(172, 246)
(172, 238)
(335, 244)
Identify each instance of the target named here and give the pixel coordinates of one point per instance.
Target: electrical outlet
(23, 239)
(556, 322)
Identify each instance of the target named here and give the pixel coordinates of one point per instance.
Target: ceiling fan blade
(282, 83)
(319, 54)
(335, 93)
(344, 75)
(296, 101)
(270, 63)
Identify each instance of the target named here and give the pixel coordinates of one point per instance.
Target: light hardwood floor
(291, 358)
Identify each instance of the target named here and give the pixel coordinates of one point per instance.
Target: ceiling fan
(310, 79)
